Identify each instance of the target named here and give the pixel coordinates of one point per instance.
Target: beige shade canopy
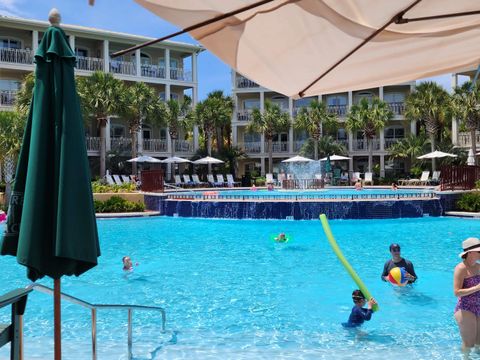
(312, 47)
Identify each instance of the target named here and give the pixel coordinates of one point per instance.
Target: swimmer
(360, 314)
(358, 185)
(253, 188)
(281, 238)
(394, 186)
(127, 263)
(270, 187)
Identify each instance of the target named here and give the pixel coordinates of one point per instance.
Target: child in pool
(281, 238)
(127, 263)
(359, 314)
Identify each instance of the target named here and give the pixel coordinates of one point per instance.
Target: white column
(108, 144)
(167, 64)
(194, 68)
(140, 141)
(234, 135)
(195, 138)
(382, 139)
(382, 166)
(413, 127)
(290, 131)
(169, 142)
(350, 99)
(138, 63)
(71, 41)
(262, 138)
(262, 163)
(380, 93)
(106, 56)
(194, 103)
(234, 76)
(167, 92)
(454, 84)
(350, 141)
(34, 41)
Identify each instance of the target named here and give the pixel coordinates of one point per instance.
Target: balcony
(121, 145)
(398, 108)
(7, 97)
(362, 145)
(183, 146)
(16, 56)
(390, 142)
(155, 145)
(244, 83)
(153, 71)
(252, 147)
(339, 110)
(465, 140)
(122, 67)
(93, 143)
(180, 74)
(278, 147)
(244, 115)
(89, 63)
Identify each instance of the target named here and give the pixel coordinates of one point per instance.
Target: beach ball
(397, 276)
(3, 216)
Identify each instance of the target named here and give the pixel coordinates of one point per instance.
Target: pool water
(230, 292)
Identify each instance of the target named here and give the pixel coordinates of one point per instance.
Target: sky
(129, 17)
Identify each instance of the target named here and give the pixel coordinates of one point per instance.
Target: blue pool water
(232, 293)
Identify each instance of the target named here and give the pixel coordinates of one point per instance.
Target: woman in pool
(358, 185)
(466, 286)
(281, 238)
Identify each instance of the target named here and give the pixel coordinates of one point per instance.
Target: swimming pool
(231, 293)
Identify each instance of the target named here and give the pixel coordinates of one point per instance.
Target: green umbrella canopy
(328, 165)
(51, 226)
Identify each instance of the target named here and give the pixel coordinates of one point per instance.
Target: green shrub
(477, 184)
(416, 171)
(98, 187)
(260, 181)
(469, 202)
(116, 204)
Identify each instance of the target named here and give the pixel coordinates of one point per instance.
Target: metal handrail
(94, 307)
(177, 188)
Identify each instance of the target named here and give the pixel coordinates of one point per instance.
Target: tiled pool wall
(298, 210)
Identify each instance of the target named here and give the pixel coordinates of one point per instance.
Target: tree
(142, 105)
(326, 146)
(410, 147)
(273, 120)
(369, 118)
(313, 119)
(24, 95)
(176, 115)
(466, 107)
(429, 104)
(101, 96)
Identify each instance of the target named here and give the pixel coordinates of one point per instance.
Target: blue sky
(126, 16)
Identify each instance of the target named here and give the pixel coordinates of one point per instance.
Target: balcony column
(138, 63)
(194, 103)
(234, 135)
(167, 92)
(382, 166)
(262, 164)
(454, 84)
(108, 145)
(233, 74)
(167, 65)
(380, 93)
(350, 141)
(140, 140)
(350, 100)
(34, 41)
(71, 41)
(194, 68)
(413, 127)
(262, 137)
(382, 139)
(106, 56)
(290, 131)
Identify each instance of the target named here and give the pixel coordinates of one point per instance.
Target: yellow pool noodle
(345, 263)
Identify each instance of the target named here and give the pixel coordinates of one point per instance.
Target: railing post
(130, 334)
(94, 334)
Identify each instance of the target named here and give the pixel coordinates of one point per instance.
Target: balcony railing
(180, 74)
(398, 108)
(244, 115)
(122, 67)
(155, 145)
(121, 144)
(16, 56)
(7, 97)
(252, 147)
(183, 146)
(243, 82)
(465, 140)
(89, 63)
(390, 142)
(153, 71)
(339, 110)
(362, 145)
(93, 143)
(278, 147)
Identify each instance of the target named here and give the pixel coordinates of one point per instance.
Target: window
(394, 133)
(163, 134)
(9, 85)
(250, 104)
(173, 96)
(363, 95)
(249, 138)
(303, 102)
(395, 97)
(283, 137)
(280, 101)
(146, 132)
(144, 59)
(336, 100)
(10, 44)
(81, 52)
(117, 131)
(341, 134)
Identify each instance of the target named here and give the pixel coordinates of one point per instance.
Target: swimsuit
(470, 302)
(358, 316)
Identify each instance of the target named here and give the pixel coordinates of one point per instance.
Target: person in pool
(466, 286)
(281, 238)
(359, 314)
(127, 263)
(398, 261)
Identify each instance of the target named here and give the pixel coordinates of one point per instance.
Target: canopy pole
(475, 78)
(57, 319)
(192, 27)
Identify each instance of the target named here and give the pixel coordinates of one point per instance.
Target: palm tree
(369, 118)
(273, 120)
(176, 115)
(466, 107)
(142, 105)
(429, 104)
(313, 119)
(326, 146)
(101, 96)
(24, 95)
(410, 147)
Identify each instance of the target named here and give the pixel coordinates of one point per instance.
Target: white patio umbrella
(145, 159)
(208, 160)
(471, 158)
(435, 155)
(296, 159)
(335, 158)
(174, 160)
(341, 45)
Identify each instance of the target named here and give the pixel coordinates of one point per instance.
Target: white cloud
(11, 8)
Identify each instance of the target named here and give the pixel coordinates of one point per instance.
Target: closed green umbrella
(328, 165)
(51, 226)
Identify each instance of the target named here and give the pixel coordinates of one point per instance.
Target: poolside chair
(356, 177)
(126, 179)
(337, 174)
(117, 179)
(109, 180)
(196, 180)
(269, 179)
(281, 177)
(212, 181)
(178, 181)
(424, 178)
(187, 181)
(435, 180)
(231, 182)
(368, 178)
(220, 180)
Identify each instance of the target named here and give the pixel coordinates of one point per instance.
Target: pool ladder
(95, 307)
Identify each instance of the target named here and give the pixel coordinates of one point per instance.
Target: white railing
(390, 142)
(89, 63)
(122, 67)
(243, 82)
(16, 56)
(153, 71)
(183, 146)
(7, 97)
(244, 115)
(180, 74)
(465, 140)
(398, 108)
(252, 147)
(339, 110)
(278, 147)
(155, 145)
(362, 145)
(93, 143)
(121, 144)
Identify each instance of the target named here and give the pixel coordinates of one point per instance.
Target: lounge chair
(231, 182)
(187, 181)
(109, 180)
(212, 181)
(178, 181)
(422, 181)
(196, 180)
(435, 180)
(355, 177)
(221, 181)
(126, 179)
(117, 179)
(269, 179)
(368, 178)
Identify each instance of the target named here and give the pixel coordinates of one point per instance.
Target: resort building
(169, 67)
(249, 95)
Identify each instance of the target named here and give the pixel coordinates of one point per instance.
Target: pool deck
(463, 214)
(127, 215)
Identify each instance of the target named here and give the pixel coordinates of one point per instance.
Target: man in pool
(359, 314)
(127, 263)
(398, 261)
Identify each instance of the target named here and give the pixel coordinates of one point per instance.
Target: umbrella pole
(57, 319)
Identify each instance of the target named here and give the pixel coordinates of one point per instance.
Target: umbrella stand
(57, 319)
